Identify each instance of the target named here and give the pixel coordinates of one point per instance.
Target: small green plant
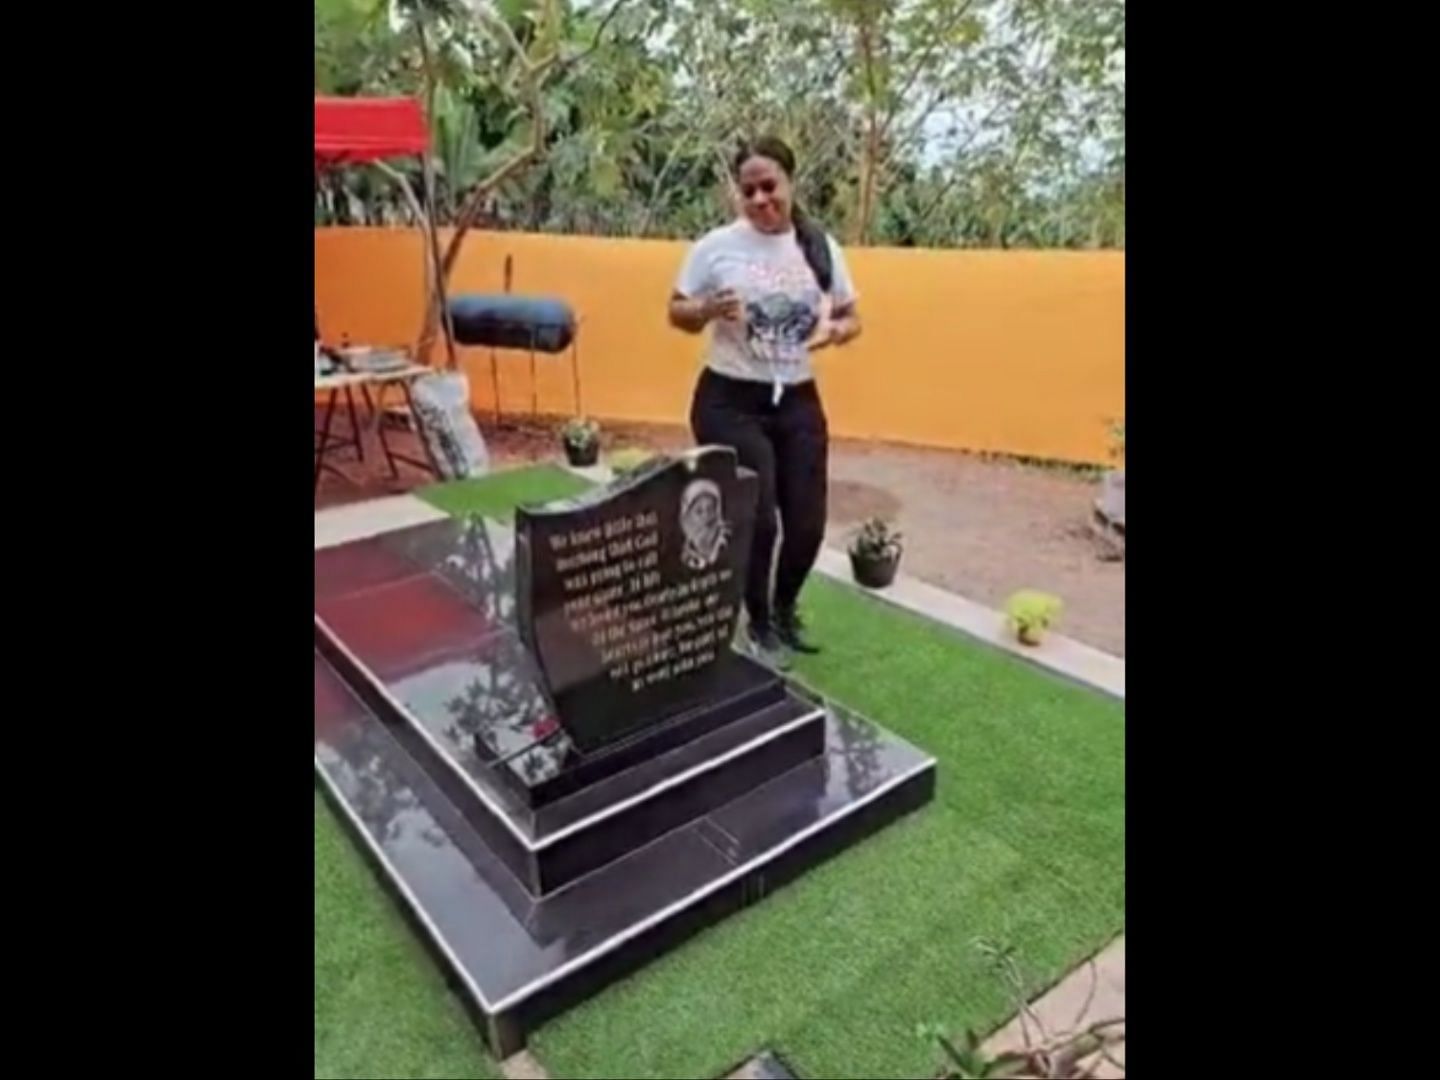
(1031, 613)
(966, 1060)
(1117, 441)
(580, 433)
(628, 458)
(876, 542)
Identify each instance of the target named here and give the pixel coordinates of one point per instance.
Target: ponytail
(815, 246)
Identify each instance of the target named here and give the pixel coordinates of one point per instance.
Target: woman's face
(765, 194)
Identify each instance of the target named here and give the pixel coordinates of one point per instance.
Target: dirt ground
(981, 528)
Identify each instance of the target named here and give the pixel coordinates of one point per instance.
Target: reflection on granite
(489, 709)
(431, 611)
(475, 557)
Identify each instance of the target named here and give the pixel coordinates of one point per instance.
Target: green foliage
(1031, 613)
(1117, 441)
(876, 541)
(996, 123)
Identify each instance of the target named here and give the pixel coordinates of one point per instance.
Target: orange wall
(1014, 352)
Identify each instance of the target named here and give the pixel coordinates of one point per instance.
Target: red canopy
(365, 129)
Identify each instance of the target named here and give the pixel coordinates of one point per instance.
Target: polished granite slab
(522, 958)
(629, 594)
(430, 610)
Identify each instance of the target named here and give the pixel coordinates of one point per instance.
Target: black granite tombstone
(628, 596)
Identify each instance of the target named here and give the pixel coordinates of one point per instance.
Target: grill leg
(575, 371)
(495, 381)
(534, 388)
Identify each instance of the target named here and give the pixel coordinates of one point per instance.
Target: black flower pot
(874, 571)
(582, 457)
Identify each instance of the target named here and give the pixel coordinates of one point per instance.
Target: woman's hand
(693, 314)
(835, 330)
(724, 304)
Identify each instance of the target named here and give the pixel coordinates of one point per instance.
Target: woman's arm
(693, 313)
(840, 327)
(844, 324)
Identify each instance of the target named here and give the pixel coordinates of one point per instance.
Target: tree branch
(933, 42)
(531, 74)
(605, 21)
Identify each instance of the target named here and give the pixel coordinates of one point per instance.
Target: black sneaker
(765, 645)
(790, 629)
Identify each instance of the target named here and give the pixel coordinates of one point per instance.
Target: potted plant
(581, 438)
(875, 554)
(1031, 613)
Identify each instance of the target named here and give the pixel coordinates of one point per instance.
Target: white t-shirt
(782, 300)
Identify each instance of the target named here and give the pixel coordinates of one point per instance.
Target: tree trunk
(870, 145)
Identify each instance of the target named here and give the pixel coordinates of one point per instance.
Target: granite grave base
(539, 869)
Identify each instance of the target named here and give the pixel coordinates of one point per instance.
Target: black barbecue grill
(536, 324)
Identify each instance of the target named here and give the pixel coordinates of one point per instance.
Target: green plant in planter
(628, 458)
(1031, 613)
(581, 439)
(875, 554)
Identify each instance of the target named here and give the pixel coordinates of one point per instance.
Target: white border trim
(411, 900)
(534, 845)
(769, 855)
(610, 944)
(661, 786)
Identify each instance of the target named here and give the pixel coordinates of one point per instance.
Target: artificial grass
(1023, 846)
(381, 1007)
(499, 493)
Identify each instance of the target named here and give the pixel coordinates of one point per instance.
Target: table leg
(325, 435)
(355, 433)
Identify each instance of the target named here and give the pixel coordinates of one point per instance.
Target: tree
(925, 122)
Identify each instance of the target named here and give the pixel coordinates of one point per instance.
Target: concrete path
(1060, 1009)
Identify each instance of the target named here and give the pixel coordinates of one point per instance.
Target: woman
(773, 288)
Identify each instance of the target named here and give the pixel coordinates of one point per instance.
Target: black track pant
(787, 445)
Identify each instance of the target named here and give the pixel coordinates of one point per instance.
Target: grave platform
(538, 872)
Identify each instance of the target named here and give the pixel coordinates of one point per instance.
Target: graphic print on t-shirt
(782, 309)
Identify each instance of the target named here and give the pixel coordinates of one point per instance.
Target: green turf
(381, 1006)
(499, 493)
(1023, 845)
